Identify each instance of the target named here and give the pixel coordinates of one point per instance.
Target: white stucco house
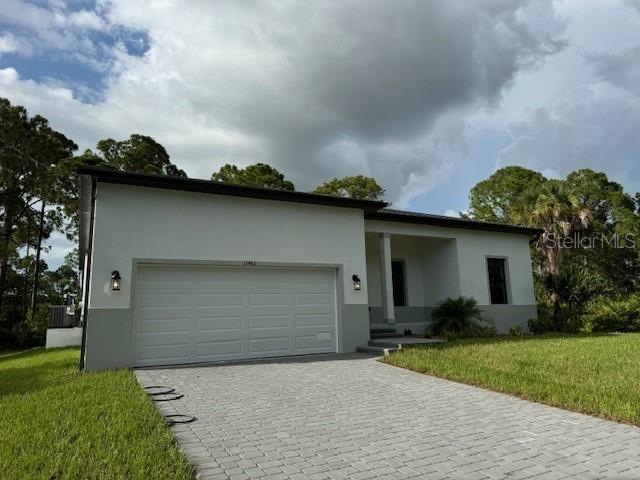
(179, 271)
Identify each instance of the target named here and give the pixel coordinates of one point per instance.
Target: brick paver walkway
(351, 417)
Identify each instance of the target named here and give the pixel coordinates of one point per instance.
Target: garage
(205, 314)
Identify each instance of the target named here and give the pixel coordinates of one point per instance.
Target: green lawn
(598, 375)
(59, 423)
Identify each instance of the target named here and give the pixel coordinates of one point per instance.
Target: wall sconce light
(357, 285)
(115, 280)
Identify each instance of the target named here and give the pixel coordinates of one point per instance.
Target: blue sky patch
(83, 63)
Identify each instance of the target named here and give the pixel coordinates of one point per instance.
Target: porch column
(388, 311)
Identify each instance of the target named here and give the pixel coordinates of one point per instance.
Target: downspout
(85, 293)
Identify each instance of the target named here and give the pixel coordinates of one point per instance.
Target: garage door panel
(164, 354)
(227, 347)
(224, 313)
(222, 299)
(220, 323)
(315, 311)
(165, 300)
(269, 321)
(270, 346)
(319, 341)
(312, 299)
(164, 338)
(166, 286)
(165, 325)
(275, 299)
(314, 320)
(166, 313)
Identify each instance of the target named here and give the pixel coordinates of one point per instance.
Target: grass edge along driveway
(596, 374)
(60, 423)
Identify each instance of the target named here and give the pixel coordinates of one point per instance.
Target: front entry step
(383, 332)
(374, 350)
(385, 345)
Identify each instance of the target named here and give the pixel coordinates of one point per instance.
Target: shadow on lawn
(34, 374)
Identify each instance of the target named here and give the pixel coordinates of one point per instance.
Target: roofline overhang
(451, 222)
(373, 210)
(219, 188)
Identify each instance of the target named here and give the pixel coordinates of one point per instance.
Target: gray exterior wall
(418, 319)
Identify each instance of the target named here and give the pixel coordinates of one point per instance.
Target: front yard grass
(59, 423)
(598, 375)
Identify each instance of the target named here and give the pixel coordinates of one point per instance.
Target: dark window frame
(503, 295)
(403, 301)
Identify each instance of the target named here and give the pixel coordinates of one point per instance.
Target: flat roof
(220, 188)
(403, 216)
(373, 210)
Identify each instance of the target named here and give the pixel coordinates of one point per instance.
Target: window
(497, 280)
(397, 279)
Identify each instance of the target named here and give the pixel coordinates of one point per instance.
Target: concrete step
(381, 351)
(399, 342)
(384, 343)
(383, 334)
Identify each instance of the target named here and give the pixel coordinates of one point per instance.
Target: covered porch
(408, 275)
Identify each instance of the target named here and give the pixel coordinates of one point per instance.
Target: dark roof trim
(206, 186)
(373, 210)
(442, 221)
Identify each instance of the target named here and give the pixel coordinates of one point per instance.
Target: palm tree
(560, 213)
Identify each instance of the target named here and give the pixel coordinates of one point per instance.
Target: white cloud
(583, 110)
(326, 89)
(318, 90)
(8, 43)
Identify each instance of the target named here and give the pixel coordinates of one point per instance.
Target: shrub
(544, 322)
(516, 331)
(452, 336)
(613, 314)
(455, 316)
(487, 331)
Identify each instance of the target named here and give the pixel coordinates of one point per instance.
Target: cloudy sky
(427, 96)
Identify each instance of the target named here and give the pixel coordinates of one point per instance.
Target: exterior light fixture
(357, 285)
(115, 280)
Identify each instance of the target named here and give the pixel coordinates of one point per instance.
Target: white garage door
(205, 314)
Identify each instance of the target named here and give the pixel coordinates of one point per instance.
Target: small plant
(516, 331)
(458, 316)
(486, 331)
(452, 336)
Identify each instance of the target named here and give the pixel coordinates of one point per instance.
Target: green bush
(487, 331)
(453, 336)
(613, 314)
(459, 317)
(516, 331)
(544, 322)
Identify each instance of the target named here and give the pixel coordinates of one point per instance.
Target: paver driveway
(352, 417)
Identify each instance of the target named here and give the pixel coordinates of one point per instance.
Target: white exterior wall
(474, 247)
(453, 261)
(148, 223)
(140, 224)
